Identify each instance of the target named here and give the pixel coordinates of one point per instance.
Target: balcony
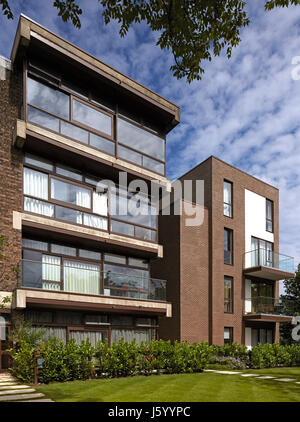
(264, 308)
(269, 265)
(87, 279)
(83, 286)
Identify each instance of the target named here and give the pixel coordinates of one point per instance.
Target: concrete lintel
(19, 134)
(19, 299)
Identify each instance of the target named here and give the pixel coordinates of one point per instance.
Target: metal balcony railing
(270, 305)
(265, 258)
(85, 278)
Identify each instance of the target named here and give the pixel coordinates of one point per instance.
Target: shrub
(294, 352)
(235, 350)
(272, 355)
(79, 360)
(23, 357)
(55, 368)
(230, 362)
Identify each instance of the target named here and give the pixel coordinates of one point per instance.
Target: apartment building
(70, 123)
(223, 274)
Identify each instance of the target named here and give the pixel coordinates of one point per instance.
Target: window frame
(100, 263)
(59, 85)
(230, 335)
(109, 218)
(229, 301)
(230, 205)
(270, 220)
(231, 240)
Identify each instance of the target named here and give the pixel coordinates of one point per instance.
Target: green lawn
(204, 387)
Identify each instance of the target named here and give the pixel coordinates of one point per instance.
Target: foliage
(235, 350)
(230, 362)
(68, 362)
(22, 331)
(194, 31)
(272, 355)
(291, 306)
(23, 358)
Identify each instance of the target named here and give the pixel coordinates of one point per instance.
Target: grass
(204, 387)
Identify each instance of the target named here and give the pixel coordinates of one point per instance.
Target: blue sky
(245, 110)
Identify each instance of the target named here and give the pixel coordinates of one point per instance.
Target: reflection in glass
(153, 165)
(67, 192)
(122, 228)
(43, 119)
(91, 117)
(129, 155)
(47, 98)
(102, 144)
(74, 132)
(68, 214)
(141, 140)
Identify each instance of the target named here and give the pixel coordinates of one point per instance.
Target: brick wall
(10, 176)
(198, 292)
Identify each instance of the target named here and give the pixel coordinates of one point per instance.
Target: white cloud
(245, 110)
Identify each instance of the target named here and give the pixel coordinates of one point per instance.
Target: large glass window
(90, 117)
(228, 246)
(140, 139)
(228, 294)
(132, 213)
(35, 183)
(227, 198)
(269, 215)
(80, 277)
(262, 252)
(47, 98)
(73, 194)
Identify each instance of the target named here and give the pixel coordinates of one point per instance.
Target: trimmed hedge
(261, 356)
(68, 362)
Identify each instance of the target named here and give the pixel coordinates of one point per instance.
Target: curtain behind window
(93, 336)
(80, 277)
(139, 334)
(35, 183)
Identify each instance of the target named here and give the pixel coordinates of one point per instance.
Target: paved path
(257, 376)
(11, 390)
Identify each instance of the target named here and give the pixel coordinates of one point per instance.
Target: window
(261, 335)
(269, 215)
(73, 194)
(228, 246)
(141, 140)
(89, 116)
(227, 198)
(262, 253)
(35, 183)
(228, 294)
(47, 98)
(228, 335)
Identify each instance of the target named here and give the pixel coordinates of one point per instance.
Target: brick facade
(199, 289)
(10, 176)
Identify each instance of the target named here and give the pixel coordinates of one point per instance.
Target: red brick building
(223, 274)
(71, 262)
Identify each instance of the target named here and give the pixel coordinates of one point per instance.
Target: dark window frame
(29, 72)
(53, 174)
(229, 303)
(230, 241)
(230, 205)
(230, 340)
(270, 220)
